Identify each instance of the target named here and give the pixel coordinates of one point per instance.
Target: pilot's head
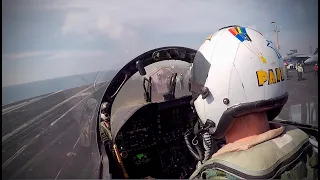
(236, 72)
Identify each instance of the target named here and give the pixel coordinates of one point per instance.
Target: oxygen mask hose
(120, 161)
(207, 144)
(198, 155)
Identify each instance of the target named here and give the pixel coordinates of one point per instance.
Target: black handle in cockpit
(173, 83)
(170, 95)
(147, 90)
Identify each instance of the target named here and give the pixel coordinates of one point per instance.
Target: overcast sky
(46, 39)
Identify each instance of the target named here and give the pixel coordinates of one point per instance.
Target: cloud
(127, 22)
(118, 20)
(58, 55)
(83, 29)
(54, 64)
(65, 55)
(90, 23)
(25, 55)
(94, 24)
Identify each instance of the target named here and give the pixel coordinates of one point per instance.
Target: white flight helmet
(236, 72)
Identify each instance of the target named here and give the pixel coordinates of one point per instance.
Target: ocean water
(19, 92)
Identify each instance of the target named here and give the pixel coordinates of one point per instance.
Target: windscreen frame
(156, 55)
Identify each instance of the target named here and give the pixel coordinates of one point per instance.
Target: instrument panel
(151, 142)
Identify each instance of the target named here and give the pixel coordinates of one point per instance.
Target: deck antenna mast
(276, 31)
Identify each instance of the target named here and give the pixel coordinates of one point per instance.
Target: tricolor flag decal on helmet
(240, 33)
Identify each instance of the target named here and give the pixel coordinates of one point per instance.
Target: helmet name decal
(270, 76)
(280, 74)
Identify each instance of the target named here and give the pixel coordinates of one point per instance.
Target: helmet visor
(199, 73)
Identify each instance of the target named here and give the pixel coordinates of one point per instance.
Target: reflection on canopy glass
(162, 74)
